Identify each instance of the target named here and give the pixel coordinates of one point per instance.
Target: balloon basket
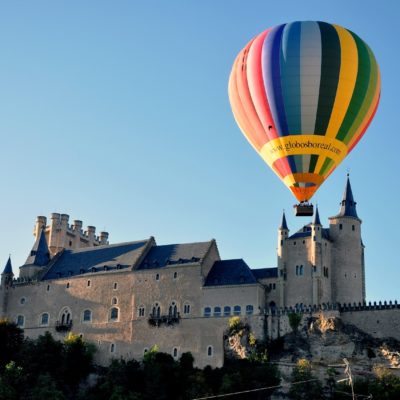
(303, 209)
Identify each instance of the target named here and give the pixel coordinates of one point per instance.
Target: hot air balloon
(303, 94)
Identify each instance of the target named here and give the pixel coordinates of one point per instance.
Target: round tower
(283, 234)
(347, 254)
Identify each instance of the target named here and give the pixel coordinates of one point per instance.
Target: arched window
(22, 300)
(114, 301)
(249, 309)
(115, 286)
(227, 311)
(173, 310)
(217, 311)
(175, 352)
(65, 316)
(156, 312)
(209, 351)
(207, 311)
(44, 319)
(87, 316)
(114, 314)
(67, 285)
(297, 270)
(112, 348)
(157, 277)
(237, 310)
(186, 308)
(88, 283)
(141, 311)
(20, 321)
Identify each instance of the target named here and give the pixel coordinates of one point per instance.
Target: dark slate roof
(230, 272)
(96, 259)
(306, 232)
(8, 267)
(348, 205)
(283, 223)
(172, 254)
(265, 273)
(39, 254)
(316, 221)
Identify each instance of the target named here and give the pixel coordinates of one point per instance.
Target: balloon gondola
(303, 94)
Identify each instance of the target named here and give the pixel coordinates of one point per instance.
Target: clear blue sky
(116, 113)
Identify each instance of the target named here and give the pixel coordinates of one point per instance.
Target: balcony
(63, 326)
(169, 319)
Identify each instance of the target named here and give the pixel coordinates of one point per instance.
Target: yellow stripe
(303, 144)
(346, 84)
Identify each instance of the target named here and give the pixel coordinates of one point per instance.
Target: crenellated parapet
(60, 234)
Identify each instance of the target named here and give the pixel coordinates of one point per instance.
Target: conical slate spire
(316, 221)
(8, 268)
(40, 254)
(348, 205)
(284, 224)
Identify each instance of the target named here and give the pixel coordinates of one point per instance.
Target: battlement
(60, 234)
(340, 307)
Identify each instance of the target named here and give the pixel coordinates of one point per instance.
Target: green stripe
(330, 69)
(367, 101)
(360, 89)
(326, 166)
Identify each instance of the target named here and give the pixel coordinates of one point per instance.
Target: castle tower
(321, 284)
(38, 258)
(347, 254)
(6, 281)
(283, 234)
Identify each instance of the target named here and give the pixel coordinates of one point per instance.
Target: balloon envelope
(303, 94)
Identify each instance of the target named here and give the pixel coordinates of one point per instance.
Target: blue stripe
(290, 76)
(272, 78)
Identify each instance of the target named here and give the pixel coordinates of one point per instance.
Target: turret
(38, 258)
(41, 222)
(7, 274)
(91, 232)
(348, 278)
(103, 238)
(316, 227)
(283, 234)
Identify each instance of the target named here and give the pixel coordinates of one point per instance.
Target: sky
(117, 113)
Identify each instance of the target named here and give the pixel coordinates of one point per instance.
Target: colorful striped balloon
(303, 94)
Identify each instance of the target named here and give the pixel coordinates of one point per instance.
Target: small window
(112, 348)
(114, 314)
(207, 311)
(48, 288)
(22, 300)
(274, 286)
(20, 321)
(175, 352)
(186, 309)
(67, 285)
(145, 350)
(353, 228)
(70, 243)
(217, 311)
(237, 310)
(157, 277)
(297, 270)
(44, 319)
(115, 287)
(249, 309)
(141, 311)
(87, 316)
(114, 301)
(209, 351)
(88, 283)
(175, 275)
(301, 270)
(227, 311)
(340, 226)
(294, 243)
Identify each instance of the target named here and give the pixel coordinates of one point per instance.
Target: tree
(304, 385)
(11, 339)
(294, 321)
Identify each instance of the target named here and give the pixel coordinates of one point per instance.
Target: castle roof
(316, 221)
(99, 258)
(283, 223)
(39, 254)
(8, 267)
(348, 205)
(265, 273)
(172, 254)
(305, 231)
(230, 272)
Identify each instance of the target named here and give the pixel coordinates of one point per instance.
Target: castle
(127, 297)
